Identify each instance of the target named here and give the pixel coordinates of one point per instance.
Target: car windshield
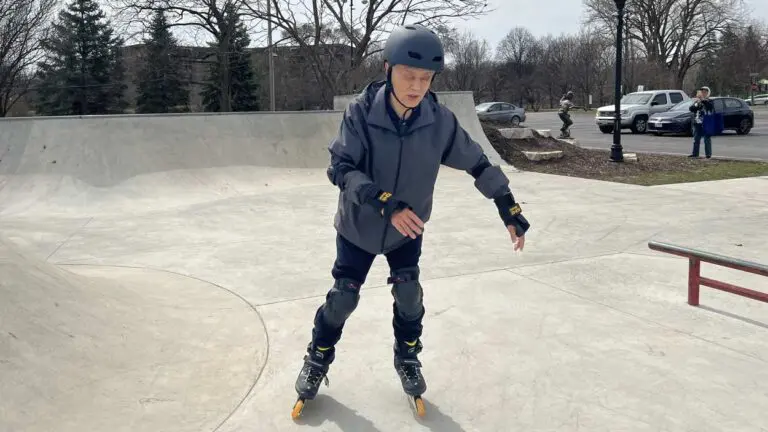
(636, 98)
(484, 106)
(682, 106)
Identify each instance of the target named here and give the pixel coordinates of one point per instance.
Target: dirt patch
(650, 169)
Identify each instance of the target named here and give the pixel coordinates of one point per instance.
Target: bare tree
(470, 62)
(23, 25)
(520, 54)
(590, 66)
(217, 19)
(364, 24)
(673, 33)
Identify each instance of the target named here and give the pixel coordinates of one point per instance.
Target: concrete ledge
(522, 133)
(540, 156)
(516, 133)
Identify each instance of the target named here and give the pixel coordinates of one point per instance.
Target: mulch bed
(589, 163)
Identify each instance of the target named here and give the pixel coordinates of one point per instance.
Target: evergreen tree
(160, 82)
(243, 85)
(82, 71)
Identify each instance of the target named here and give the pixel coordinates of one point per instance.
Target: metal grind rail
(695, 280)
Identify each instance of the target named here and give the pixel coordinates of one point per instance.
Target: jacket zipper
(397, 178)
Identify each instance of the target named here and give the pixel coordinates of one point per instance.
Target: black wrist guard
(512, 214)
(384, 202)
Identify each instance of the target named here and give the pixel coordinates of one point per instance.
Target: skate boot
(408, 368)
(314, 371)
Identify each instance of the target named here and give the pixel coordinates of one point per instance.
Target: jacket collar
(378, 99)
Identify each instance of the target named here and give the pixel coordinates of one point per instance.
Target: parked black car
(737, 115)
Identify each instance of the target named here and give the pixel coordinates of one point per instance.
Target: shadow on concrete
(734, 316)
(325, 408)
(436, 420)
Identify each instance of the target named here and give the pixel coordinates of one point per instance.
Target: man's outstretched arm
(465, 154)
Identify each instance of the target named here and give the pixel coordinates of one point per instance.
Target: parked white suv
(636, 108)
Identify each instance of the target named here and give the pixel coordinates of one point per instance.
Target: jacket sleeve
(694, 107)
(348, 161)
(465, 154)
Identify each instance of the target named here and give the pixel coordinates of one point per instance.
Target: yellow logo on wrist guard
(384, 196)
(515, 210)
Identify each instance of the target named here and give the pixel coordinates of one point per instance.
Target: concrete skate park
(161, 273)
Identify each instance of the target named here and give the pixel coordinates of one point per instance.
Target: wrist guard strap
(512, 214)
(384, 202)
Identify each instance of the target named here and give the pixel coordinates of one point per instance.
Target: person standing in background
(700, 107)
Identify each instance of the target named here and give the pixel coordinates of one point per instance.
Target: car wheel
(606, 129)
(515, 121)
(640, 125)
(744, 127)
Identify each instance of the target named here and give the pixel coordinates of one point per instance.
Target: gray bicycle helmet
(417, 46)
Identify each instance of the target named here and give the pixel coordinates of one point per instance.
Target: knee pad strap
(404, 275)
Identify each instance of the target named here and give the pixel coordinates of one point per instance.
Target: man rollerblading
(385, 160)
(566, 103)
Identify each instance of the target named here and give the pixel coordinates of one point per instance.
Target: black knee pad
(341, 301)
(408, 293)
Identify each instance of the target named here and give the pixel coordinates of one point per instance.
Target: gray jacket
(376, 149)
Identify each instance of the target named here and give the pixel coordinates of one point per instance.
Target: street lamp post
(271, 61)
(617, 152)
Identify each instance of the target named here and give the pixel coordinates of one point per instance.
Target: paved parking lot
(584, 130)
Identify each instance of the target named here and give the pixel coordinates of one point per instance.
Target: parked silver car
(501, 111)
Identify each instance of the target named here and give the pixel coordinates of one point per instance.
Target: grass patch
(649, 170)
(708, 171)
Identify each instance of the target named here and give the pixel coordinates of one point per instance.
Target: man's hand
(512, 216)
(407, 223)
(518, 241)
(397, 212)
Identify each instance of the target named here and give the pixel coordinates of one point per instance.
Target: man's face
(411, 84)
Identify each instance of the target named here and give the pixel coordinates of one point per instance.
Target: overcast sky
(560, 16)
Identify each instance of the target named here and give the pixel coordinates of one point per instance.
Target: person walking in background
(701, 107)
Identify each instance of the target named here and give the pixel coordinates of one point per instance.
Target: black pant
(567, 122)
(353, 264)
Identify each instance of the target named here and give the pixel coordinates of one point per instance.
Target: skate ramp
(118, 163)
(120, 349)
(104, 151)
(462, 103)
(132, 297)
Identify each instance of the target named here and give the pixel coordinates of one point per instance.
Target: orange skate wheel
(297, 408)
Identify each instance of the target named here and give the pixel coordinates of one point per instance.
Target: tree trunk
(226, 79)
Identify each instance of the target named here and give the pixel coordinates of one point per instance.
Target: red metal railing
(695, 280)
